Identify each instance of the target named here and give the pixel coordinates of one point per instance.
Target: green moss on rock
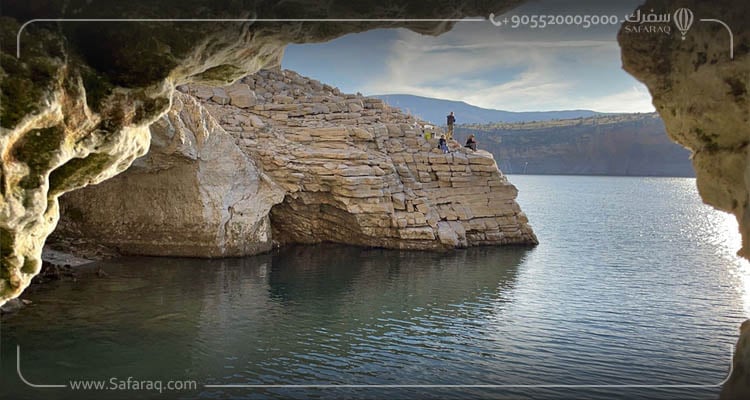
(30, 265)
(76, 172)
(97, 88)
(25, 81)
(222, 73)
(39, 147)
(144, 54)
(6, 242)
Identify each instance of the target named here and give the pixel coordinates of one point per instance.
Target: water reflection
(325, 314)
(618, 292)
(727, 239)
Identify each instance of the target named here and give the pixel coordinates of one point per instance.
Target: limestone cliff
(195, 192)
(618, 144)
(283, 156)
(76, 104)
(77, 97)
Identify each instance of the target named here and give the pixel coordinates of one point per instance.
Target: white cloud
(492, 69)
(635, 99)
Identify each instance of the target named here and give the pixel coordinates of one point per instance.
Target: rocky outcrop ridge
(277, 155)
(76, 98)
(619, 144)
(76, 105)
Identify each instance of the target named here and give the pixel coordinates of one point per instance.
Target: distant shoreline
(603, 175)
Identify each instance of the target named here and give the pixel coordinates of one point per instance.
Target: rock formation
(76, 98)
(702, 96)
(195, 192)
(326, 166)
(619, 144)
(77, 103)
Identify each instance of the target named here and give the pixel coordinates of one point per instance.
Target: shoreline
(602, 175)
(56, 265)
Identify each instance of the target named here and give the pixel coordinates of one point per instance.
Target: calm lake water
(635, 282)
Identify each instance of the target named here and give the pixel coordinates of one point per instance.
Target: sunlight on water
(721, 232)
(744, 272)
(728, 240)
(635, 281)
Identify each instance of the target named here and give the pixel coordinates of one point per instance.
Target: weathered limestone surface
(702, 95)
(328, 166)
(76, 106)
(196, 193)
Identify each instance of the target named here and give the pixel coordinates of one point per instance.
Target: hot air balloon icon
(683, 19)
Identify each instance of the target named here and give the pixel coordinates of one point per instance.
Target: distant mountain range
(435, 111)
(577, 142)
(614, 144)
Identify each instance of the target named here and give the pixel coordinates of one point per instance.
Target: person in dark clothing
(471, 143)
(443, 144)
(451, 120)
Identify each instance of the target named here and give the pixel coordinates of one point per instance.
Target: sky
(521, 69)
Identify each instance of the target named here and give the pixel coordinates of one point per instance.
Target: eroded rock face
(196, 194)
(76, 105)
(702, 96)
(328, 166)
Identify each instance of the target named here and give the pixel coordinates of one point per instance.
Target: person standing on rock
(451, 120)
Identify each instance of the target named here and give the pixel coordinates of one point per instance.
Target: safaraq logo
(659, 23)
(683, 20)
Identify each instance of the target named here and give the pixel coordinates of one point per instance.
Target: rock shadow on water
(267, 318)
(332, 272)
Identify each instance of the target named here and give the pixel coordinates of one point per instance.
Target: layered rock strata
(76, 104)
(280, 155)
(77, 97)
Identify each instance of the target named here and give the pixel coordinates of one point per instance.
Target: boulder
(220, 96)
(241, 96)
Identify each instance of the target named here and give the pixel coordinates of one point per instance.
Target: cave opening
(310, 219)
(699, 96)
